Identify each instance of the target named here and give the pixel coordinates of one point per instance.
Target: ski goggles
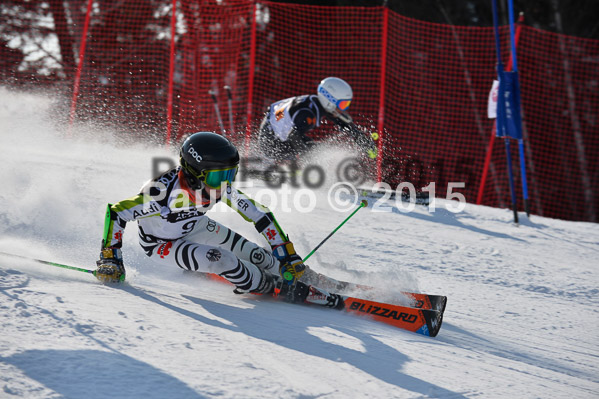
(341, 104)
(214, 178)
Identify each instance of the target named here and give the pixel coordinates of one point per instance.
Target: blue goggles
(215, 178)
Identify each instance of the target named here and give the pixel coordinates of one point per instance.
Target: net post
(249, 109)
(381, 116)
(171, 72)
(80, 64)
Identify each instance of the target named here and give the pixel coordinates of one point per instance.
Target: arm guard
(119, 214)
(113, 229)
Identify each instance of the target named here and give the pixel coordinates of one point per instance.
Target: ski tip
(434, 320)
(439, 303)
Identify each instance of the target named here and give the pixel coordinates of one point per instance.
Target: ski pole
(230, 103)
(363, 204)
(220, 120)
(45, 262)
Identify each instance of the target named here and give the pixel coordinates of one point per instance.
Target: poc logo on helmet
(194, 154)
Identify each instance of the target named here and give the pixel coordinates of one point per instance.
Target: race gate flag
(509, 91)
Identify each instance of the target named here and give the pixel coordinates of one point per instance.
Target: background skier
(286, 124)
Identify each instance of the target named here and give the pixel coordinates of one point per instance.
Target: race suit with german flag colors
(174, 230)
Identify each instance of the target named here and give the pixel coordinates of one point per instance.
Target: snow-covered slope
(521, 320)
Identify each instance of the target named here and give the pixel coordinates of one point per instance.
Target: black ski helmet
(205, 151)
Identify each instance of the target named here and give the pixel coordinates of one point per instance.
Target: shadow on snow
(379, 360)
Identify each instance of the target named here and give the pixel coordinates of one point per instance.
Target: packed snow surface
(522, 317)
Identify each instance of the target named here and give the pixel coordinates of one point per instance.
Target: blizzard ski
(422, 321)
(415, 299)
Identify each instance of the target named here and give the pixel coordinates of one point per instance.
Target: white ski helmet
(334, 94)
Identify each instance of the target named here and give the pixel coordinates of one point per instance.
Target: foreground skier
(174, 230)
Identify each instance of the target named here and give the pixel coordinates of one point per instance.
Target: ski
(421, 321)
(423, 315)
(418, 300)
(415, 300)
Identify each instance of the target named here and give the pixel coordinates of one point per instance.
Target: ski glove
(291, 265)
(372, 153)
(110, 266)
(372, 150)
